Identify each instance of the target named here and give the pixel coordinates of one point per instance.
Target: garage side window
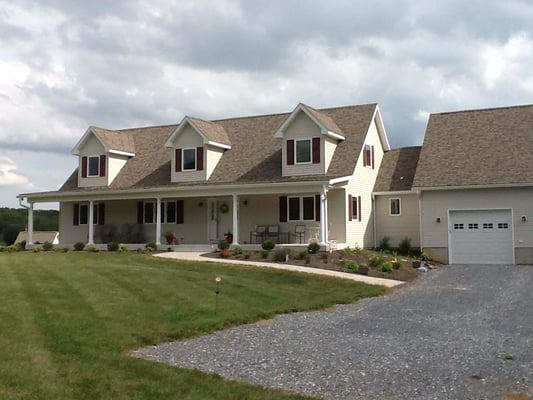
(458, 226)
(395, 207)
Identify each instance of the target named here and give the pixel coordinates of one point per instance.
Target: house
(328, 175)
(38, 237)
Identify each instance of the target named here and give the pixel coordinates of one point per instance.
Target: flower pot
(416, 263)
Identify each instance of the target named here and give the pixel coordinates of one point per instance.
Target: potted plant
(170, 237)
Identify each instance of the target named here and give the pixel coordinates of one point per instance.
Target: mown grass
(68, 320)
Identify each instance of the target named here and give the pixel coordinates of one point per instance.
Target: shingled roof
(212, 131)
(114, 140)
(397, 169)
(477, 147)
(255, 155)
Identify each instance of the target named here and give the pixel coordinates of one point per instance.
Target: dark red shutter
(179, 211)
(350, 207)
(200, 158)
(283, 209)
(84, 167)
(102, 165)
(365, 157)
(140, 212)
(177, 160)
(316, 150)
(101, 214)
(75, 214)
(359, 209)
(317, 207)
(372, 157)
(290, 152)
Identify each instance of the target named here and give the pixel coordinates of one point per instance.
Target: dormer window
(303, 151)
(189, 159)
(94, 166)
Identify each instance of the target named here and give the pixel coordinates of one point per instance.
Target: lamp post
(218, 279)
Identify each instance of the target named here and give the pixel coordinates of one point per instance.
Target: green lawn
(68, 320)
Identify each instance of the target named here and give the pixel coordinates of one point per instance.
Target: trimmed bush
(79, 246)
(386, 266)
(47, 246)
(151, 246)
(123, 248)
(37, 248)
(223, 245)
(405, 246)
(268, 245)
(113, 246)
(238, 251)
(313, 248)
(352, 265)
(384, 244)
(264, 254)
(280, 255)
(21, 245)
(13, 248)
(2, 248)
(92, 248)
(62, 249)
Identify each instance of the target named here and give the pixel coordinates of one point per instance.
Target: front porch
(198, 223)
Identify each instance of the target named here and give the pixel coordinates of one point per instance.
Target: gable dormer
(196, 147)
(101, 155)
(310, 138)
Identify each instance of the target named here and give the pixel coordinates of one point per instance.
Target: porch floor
(195, 256)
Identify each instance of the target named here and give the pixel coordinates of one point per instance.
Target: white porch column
(235, 219)
(158, 223)
(323, 217)
(30, 224)
(91, 223)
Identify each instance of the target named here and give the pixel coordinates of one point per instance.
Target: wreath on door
(224, 208)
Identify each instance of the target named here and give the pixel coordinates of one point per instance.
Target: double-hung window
(302, 208)
(395, 207)
(149, 212)
(189, 159)
(302, 150)
(94, 166)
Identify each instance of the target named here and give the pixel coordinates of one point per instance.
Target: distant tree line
(14, 220)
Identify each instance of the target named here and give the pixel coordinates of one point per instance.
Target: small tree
(268, 245)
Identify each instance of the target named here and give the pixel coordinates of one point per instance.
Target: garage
(481, 237)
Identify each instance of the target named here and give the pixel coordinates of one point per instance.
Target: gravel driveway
(462, 332)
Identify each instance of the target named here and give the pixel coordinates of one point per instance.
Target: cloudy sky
(65, 65)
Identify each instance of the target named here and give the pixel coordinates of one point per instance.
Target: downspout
(374, 218)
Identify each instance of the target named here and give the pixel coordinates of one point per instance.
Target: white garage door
(481, 237)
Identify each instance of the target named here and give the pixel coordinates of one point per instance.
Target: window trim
(164, 214)
(310, 140)
(301, 208)
(399, 207)
(89, 166)
(183, 169)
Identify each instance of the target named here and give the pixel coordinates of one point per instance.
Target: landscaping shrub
(238, 251)
(13, 248)
(424, 256)
(47, 246)
(246, 256)
(123, 248)
(79, 246)
(405, 246)
(223, 245)
(376, 261)
(113, 246)
(302, 255)
(2, 248)
(151, 246)
(268, 245)
(356, 251)
(92, 248)
(396, 263)
(313, 248)
(37, 248)
(22, 245)
(226, 253)
(62, 249)
(264, 254)
(280, 255)
(384, 244)
(352, 265)
(386, 266)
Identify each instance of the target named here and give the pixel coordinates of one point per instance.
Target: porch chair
(260, 232)
(299, 233)
(273, 233)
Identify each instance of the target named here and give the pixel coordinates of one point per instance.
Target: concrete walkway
(194, 256)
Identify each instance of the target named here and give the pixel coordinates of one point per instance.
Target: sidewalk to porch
(195, 256)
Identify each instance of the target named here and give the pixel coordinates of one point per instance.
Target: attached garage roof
(397, 169)
(477, 147)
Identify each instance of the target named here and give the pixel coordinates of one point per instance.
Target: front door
(212, 220)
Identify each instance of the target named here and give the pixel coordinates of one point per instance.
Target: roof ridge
(405, 147)
(143, 127)
(483, 109)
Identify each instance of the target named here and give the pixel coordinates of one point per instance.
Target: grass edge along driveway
(68, 320)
